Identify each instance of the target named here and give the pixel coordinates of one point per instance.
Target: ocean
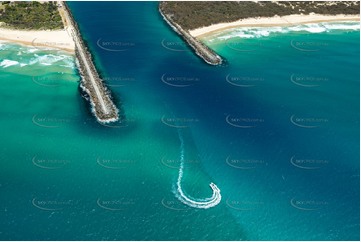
(275, 128)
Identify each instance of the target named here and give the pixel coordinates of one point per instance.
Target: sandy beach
(273, 21)
(58, 39)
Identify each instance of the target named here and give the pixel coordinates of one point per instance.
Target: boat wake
(205, 203)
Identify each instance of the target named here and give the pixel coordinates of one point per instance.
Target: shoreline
(47, 39)
(69, 39)
(54, 39)
(288, 20)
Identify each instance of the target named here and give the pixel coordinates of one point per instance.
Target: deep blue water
(276, 128)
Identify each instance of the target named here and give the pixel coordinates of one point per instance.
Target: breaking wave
(257, 32)
(6, 63)
(28, 55)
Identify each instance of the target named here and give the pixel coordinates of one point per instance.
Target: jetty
(200, 49)
(100, 98)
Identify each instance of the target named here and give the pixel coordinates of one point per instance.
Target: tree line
(31, 15)
(191, 15)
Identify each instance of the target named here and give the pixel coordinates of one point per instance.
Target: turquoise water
(276, 129)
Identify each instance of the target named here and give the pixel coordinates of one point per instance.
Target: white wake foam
(205, 203)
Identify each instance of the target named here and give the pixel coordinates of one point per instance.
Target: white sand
(273, 21)
(59, 39)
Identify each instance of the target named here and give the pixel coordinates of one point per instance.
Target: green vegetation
(191, 15)
(2, 7)
(30, 15)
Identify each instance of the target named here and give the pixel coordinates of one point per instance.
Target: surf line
(205, 203)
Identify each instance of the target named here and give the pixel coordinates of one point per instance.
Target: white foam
(6, 63)
(68, 62)
(32, 50)
(241, 35)
(50, 59)
(204, 203)
(339, 26)
(314, 28)
(27, 55)
(257, 32)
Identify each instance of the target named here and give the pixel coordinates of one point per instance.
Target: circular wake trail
(192, 202)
